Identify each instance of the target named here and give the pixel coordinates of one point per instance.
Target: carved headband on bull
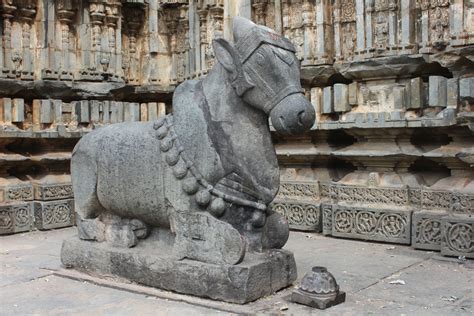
(264, 72)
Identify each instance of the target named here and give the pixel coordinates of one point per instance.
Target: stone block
(353, 94)
(453, 92)
(82, 110)
(58, 112)
(416, 94)
(301, 215)
(52, 191)
(161, 109)
(152, 111)
(131, 112)
(258, 275)
(326, 214)
(341, 98)
(43, 112)
(458, 236)
(399, 98)
(426, 230)
(106, 112)
(116, 112)
(143, 112)
(54, 214)
(18, 110)
(437, 95)
(466, 88)
(16, 217)
(378, 224)
(6, 110)
(327, 101)
(316, 100)
(16, 191)
(95, 111)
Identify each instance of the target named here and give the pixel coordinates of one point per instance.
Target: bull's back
(130, 174)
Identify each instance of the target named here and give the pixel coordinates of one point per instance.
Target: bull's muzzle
(294, 114)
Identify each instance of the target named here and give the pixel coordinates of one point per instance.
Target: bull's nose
(293, 115)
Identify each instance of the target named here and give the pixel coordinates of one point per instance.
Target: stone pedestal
(152, 263)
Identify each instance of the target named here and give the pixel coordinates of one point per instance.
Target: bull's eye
(260, 59)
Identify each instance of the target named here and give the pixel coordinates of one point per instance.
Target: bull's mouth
(293, 115)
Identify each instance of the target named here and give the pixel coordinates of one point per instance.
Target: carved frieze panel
(46, 192)
(426, 230)
(16, 217)
(386, 224)
(453, 202)
(300, 215)
(299, 190)
(326, 210)
(54, 214)
(458, 236)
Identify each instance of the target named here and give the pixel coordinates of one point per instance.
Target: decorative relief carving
(327, 218)
(20, 193)
(54, 214)
(53, 192)
(299, 190)
(445, 200)
(427, 231)
(15, 217)
(364, 223)
(458, 236)
(6, 221)
(300, 215)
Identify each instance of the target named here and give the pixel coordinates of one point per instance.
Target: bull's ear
(227, 56)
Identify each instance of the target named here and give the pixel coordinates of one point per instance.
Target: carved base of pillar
(152, 264)
(16, 217)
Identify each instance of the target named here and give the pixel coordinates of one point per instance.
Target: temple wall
(390, 156)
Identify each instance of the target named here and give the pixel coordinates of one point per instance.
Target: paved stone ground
(32, 282)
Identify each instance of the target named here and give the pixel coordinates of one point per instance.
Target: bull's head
(265, 73)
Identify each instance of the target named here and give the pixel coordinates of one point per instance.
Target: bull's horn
(241, 27)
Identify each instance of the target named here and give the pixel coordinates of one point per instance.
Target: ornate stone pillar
(202, 41)
(65, 13)
(97, 16)
(8, 10)
(26, 11)
(133, 18)
(112, 16)
(260, 7)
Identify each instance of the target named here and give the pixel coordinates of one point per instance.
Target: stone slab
(458, 236)
(301, 215)
(258, 275)
(426, 230)
(16, 217)
(387, 225)
(54, 214)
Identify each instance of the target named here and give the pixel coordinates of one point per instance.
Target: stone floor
(33, 282)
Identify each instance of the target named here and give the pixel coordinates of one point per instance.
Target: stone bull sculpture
(207, 172)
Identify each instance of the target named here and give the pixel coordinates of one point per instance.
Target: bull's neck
(245, 145)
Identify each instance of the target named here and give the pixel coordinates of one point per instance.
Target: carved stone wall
(389, 158)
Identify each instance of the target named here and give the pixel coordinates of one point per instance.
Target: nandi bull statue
(182, 203)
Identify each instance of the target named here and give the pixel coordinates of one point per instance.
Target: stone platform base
(258, 275)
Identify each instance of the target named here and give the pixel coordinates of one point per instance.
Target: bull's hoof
(121, 236)
(139, 228)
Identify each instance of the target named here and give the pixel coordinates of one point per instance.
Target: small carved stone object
(318, 289)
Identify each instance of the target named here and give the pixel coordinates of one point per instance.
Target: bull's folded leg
(112, 229)
(202, 237)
